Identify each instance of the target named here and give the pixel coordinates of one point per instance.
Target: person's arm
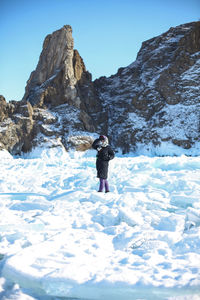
(108, 155)
(111, 153)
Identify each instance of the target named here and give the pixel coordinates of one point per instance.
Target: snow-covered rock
(156, 99)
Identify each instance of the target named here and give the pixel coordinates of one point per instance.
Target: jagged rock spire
(59, 69)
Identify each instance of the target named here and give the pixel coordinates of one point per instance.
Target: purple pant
(103, 183)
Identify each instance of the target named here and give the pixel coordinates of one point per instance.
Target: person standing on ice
(104, 154)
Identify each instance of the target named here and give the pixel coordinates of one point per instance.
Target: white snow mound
(59, 237)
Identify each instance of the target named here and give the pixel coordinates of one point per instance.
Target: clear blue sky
(107, 33)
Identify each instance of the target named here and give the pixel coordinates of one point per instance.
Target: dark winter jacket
(103, 156)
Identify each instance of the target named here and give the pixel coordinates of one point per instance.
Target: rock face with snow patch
(157, 98)
(17, 127)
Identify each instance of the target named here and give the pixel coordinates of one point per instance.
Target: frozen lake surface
(61, 239)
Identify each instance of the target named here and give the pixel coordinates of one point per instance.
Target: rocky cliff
(58, 102)
(155, 101)
(17, 129)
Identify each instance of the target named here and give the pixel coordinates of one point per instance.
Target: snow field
(61, 238)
